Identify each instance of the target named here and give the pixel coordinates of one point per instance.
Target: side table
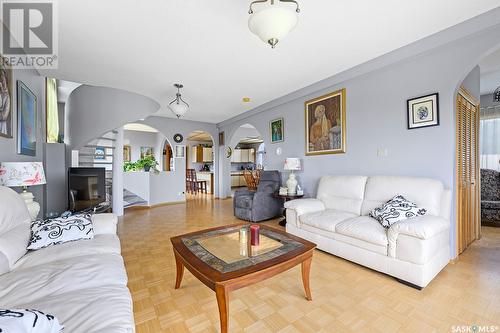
(286, 198)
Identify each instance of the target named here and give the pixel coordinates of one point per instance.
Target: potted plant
(147, 163)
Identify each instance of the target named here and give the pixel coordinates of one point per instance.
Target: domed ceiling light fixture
(272, 20)
(178, 106)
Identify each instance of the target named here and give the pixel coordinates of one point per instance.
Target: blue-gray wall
(377, 93)
(8, 147)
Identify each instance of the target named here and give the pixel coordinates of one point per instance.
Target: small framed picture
(423, 111)
(147, 151)
(126, 153)
(100, 153)
(180, 151)
(277, 130)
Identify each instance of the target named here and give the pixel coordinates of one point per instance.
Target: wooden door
(468, 187)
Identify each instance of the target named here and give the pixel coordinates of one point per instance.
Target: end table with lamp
(23, 174)
(285, 198)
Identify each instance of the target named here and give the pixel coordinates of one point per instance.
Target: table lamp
(292, 164)
(23, 174)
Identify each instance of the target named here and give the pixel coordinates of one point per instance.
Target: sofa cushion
(29, 284)
(28, 321)
(60, 230)
(395, 210)
(364, 228)
(426, 193)
(104, 309)
(100, 244)
(14, 228)
(343, 193)
(13, 245)
(325, 220)
(104, 223)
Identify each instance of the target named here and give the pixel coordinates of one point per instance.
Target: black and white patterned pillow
(396, 209)
(60, 230)
(28, 321)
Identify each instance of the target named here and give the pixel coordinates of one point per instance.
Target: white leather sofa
(338, 221)
(82, 283)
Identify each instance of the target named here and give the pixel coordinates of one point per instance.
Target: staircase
(87, 157)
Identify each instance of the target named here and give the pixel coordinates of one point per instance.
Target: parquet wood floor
(346, 297)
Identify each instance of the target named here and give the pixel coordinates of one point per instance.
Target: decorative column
(118, 173)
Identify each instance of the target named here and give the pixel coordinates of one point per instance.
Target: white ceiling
(146, 46)
(490, 73)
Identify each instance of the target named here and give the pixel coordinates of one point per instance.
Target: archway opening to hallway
(149, 177)
(200, 165)
(246, 152)
(478, 152)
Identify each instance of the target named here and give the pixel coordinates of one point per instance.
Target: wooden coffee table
(223, 263)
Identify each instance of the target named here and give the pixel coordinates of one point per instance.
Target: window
(52, 111)
(489, 141)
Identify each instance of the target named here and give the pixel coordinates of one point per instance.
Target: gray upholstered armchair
(490, 197)
(259, 205)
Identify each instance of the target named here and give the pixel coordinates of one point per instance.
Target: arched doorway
(478, 151)
(168, 157)
(246, 151)
(200, 165)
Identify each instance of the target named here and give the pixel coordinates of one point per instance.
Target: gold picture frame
(325, 121)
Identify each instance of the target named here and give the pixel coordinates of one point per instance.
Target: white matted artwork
(423, 111)
(180, 151)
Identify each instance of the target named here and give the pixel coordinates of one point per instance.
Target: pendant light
(272, 20)
(178, 106)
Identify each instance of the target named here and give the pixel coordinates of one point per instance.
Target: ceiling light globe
(273, 22)
(178, 108)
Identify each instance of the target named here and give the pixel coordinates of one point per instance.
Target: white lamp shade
(292, 164)
(179, 108)
(273, 22)
(14, 174)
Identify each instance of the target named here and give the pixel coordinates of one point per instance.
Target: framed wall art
(180, 151)
(326, 124)
(147, 151)
(26, 120)
(100, 153)
(277, 131)
(423, 111)
(5, 101)
(126, 153)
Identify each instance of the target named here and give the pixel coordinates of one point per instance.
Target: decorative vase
(291, 184)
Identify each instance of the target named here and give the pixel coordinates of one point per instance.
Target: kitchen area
(200, 158)
(247, 155)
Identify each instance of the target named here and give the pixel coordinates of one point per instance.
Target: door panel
(468, 214)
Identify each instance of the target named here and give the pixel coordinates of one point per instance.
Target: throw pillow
(28, 321)
(396, 209)
(60, 230)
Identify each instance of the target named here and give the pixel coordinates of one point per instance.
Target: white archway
(248, 137)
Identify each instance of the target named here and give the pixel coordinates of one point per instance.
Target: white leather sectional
(82, 283)
(338, 221)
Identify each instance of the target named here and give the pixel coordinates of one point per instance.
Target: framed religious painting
(6, 101)
(326, 124)
(423, 111)
(277, 131)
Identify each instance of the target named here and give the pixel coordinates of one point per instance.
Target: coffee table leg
(306, 269)
(223, 302)
(180, 271)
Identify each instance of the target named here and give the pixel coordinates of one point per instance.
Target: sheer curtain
(52, 112)
(489, 140)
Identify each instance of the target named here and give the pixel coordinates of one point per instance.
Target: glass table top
(225, 251)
